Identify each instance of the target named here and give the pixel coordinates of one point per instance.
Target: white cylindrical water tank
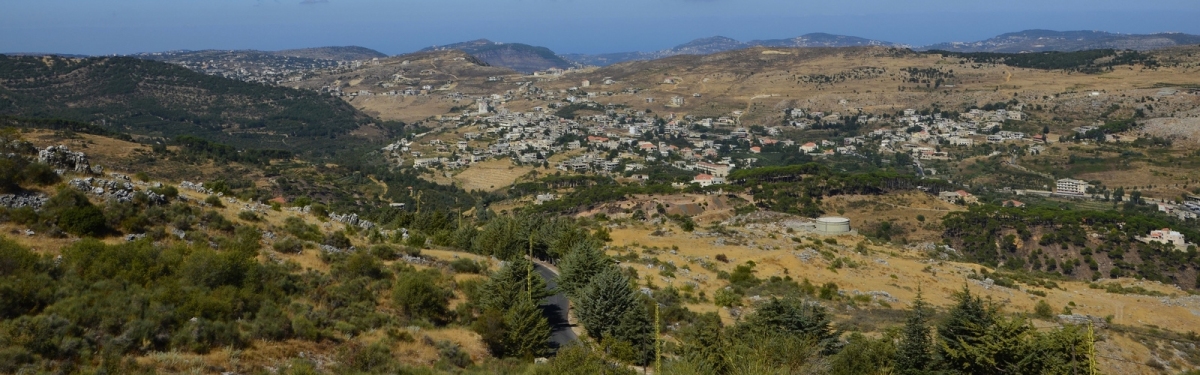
(833, 224)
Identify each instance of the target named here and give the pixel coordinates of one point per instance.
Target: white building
(1067, 186)
(718, 170)
(1168, 236)
(706, 180)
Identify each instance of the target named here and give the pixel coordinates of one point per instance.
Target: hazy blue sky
(398, 26)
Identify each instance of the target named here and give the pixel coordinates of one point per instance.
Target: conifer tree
(509, 284)
(913, 352)
(636, 329)
(604, 301)
(581, 264)
(528, 330)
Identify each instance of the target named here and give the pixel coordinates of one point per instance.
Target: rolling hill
(523, 58)
(158, 99)
(1065, 41)
(717, 44)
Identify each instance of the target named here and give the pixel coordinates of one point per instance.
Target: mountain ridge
(521, 57)
(717, 44)
(1041, 40)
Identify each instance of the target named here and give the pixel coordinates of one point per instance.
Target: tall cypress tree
(913, 354)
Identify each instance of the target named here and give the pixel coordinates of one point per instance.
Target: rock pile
(352, 219)
(34, 201)
(1079, 319)
(62, 157)
(196, 187)
(121, 191)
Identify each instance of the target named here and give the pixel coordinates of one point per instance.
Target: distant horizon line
(890, 44)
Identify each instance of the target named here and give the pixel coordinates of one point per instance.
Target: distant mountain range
(705, 46)
(349, 53)
(523, 58)
(526, 58)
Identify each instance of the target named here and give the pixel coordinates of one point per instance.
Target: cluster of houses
(973, 127)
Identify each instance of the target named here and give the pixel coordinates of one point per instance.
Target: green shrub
(297, 227)
(386, 252)
(337, 239)
(288, 245)
(419, 295)
(1043, 310)
(214, 201)
(249, 216)
(416, 240)
(465, 265)
(166, 191)
(86, 221)
(40, 174)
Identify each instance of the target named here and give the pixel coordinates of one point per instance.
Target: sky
(101, 27)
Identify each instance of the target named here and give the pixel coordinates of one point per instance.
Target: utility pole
(657, 342)
(1091, 350)
(529, 275)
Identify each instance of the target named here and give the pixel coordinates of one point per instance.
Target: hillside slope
(1064, 41)
(718, 44)
(523, 58)
(157, 99)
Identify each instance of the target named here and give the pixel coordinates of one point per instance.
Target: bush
(416, 240)
(86, 221)
(386, 252)
(1043, 310)
(464, 265)
(419, 296)
(249, 216)
(40, 174)
(828, 291)
(289, 245)
(337, 239)
(214, 201)
(166, 191)
(297, 227)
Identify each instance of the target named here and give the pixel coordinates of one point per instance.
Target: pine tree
(636, 329)
(913, 352)
(796, 317)
(963, 335)
(604, 301)
(528, 330)
(509, 284)
(581, 264)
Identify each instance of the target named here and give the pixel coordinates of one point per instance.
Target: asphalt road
(556, 308)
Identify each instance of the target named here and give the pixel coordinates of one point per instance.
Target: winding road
(556, 309)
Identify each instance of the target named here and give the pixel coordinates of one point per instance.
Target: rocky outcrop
(121, 191)
(34, 201)
(61, 157)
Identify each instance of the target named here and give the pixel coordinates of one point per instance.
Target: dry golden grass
(875, 272)
(490, 175)
(900, 208)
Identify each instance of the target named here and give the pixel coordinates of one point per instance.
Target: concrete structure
(833, 225)
(706, 180)
(955, 196)
(1067, 186)
(718, 170)
(1168, 236)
